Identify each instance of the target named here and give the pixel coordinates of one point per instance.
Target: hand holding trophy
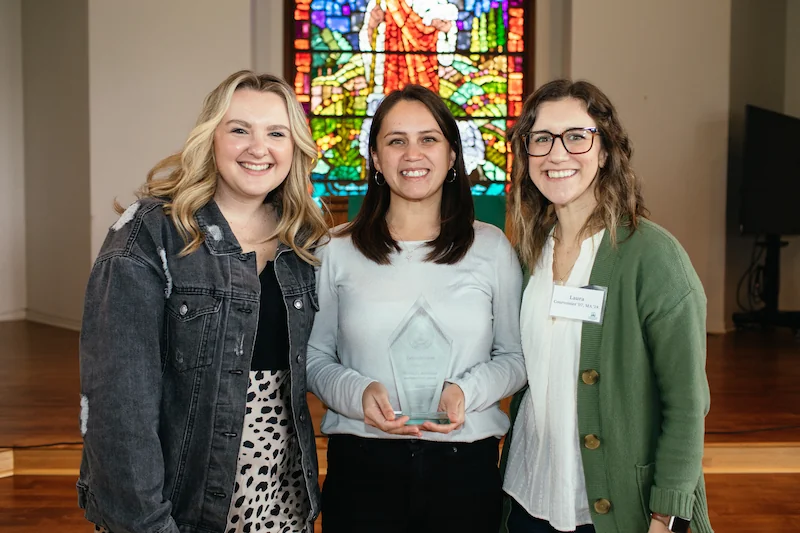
(451, 403)
(378, 412)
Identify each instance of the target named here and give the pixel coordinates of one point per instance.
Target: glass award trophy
(420, 353)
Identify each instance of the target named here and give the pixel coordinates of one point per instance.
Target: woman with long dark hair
(415, 295)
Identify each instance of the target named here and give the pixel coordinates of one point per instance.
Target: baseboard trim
(51, 320)
(756, 458)
(718, 458)
(55, 462)
(8, 316)
(717, 328)
(6, 462)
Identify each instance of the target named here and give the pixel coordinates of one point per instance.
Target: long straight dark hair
(369, 230)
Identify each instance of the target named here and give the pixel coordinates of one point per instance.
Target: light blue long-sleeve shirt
(475, 302)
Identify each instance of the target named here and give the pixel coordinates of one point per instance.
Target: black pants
(404, 486)
(521, 522)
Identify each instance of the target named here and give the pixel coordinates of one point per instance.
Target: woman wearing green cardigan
(608, 436)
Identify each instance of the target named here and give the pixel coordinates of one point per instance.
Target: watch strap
(676, 524)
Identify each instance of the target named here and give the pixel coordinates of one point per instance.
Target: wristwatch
(676, 524)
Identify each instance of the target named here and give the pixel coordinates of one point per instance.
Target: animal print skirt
(270, 493)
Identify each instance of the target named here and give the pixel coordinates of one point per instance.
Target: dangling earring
(379, 179)
(451, 179)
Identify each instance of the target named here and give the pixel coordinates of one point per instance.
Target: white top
(544, 471)
(475, 304)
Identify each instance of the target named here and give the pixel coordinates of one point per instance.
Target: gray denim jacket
(165, 353)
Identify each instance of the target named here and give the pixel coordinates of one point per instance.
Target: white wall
(268, 42)
(55, 72)
(553, 40)
(790, 258)
(792, 96)
(12, 175)
(665, 66)
(757, 78)
(151, 64)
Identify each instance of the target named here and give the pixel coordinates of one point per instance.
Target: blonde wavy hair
(618, 191)
(188, 179)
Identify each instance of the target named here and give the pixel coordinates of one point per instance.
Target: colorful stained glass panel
(350, 53)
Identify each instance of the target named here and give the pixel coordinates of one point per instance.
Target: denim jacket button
(298, 304)
(183, 309)
(300, 359)
(302, 417)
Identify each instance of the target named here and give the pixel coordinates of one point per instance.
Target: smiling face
(567, 180)
(253, 146)
(412, 153)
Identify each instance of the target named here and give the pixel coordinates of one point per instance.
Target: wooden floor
(754, 379)
(45, 504)
(738, 503)
(39, 385)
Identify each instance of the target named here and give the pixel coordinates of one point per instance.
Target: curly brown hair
(618, 191)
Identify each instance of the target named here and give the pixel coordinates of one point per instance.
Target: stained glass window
(350, 53)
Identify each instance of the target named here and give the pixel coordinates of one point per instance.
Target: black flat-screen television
(771, 177)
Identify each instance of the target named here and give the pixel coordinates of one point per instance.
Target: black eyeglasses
(575, 141)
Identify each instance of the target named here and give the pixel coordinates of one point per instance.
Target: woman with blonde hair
(608, 436)
(197, 314)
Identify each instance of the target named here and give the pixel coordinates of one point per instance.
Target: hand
(375, 18)
(442, 25)
(657, 527)
(451, 402)
(378, 412)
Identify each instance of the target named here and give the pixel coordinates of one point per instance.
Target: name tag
(579, 303)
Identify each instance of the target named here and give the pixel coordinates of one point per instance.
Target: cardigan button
(602, 506)
(591, 442)
(590, 377)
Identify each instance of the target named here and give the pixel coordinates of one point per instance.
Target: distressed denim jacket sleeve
(121, 351)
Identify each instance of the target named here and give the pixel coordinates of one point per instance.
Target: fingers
(397, 426)
(374, 396)
(411, 431)
(384, 405)
(375, 417)
(455, 411)
(456, 414)
(452, 402)
(376, 402)
(440, 428)
(378, 412)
